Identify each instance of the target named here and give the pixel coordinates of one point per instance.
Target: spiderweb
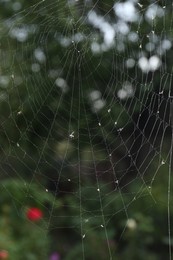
(86, 115)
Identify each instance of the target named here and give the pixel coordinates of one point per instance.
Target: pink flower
(54, 256)
(34, 214)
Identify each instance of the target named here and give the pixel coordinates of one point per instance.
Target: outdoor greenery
(62, 119)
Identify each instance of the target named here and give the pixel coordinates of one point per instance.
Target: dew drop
(140, 5)
(71, 135)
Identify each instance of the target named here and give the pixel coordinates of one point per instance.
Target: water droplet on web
(140, 5)
(46, 190)
(69, 179)
(18, 144)
(116, 181)
(83, 236)
(110, 155)
(102, 226)
(115, 123)
(99, 124)
(98, 189)
(71, 135)
(19, 112)
(163, 162)
(109, 110)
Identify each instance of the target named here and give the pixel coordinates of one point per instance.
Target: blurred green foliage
(21, 238)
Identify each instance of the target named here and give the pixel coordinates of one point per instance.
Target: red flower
(34, 214)
(3, 254)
